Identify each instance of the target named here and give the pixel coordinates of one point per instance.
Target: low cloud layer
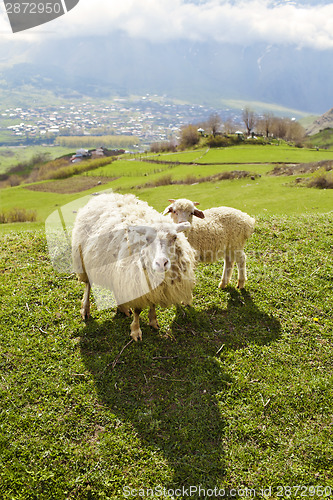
(245, 22)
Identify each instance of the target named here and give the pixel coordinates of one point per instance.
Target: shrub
(17, 215)
(222, 141)
(14, 180)
(321, 179)
(218, 142)
(189, 136)
(163, 147)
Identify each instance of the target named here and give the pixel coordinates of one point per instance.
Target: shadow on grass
(167, 386)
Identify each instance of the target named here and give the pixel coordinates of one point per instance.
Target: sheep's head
(156, 244)
(183, 210)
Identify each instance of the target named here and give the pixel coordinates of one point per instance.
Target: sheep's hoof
(241, 285)
(136, 335)
(85, 314)
(223, 285)
(154, 324)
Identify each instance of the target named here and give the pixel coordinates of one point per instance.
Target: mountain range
(280, 78)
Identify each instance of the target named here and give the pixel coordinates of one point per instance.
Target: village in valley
(148, 118)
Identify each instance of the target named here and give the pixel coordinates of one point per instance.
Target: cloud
(244, 22)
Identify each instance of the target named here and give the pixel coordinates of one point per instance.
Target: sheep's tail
(250, 227)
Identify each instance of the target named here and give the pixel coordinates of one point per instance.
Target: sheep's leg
(136, 332)
(152, 318)
(241, 264)
(85, 305)
(124, 310)
(227, 270)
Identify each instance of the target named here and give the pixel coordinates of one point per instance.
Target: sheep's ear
(182, 226)
(168, 210)
(196, 203)
(172, 201)
(199, 213)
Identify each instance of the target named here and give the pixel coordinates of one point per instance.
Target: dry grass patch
(70, 185)
(301, 168)
(167, 180)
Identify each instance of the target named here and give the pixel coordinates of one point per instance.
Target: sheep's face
(183, 210)
(156, 244)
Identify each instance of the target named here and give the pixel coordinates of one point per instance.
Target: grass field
(235, 392)
(249, 154)
(232, 395)
(266, 194)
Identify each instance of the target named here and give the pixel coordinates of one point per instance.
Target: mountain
(323, 122)
(199, 72)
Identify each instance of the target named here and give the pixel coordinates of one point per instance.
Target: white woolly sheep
(122, 244)
(222, 234)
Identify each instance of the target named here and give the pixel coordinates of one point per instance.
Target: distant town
(149, 118)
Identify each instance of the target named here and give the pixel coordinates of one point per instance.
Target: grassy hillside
(235, 392)
(156, 178)
(323, 139)
(12, 156)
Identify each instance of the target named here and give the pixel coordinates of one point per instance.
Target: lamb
(222, 233)
(122, 244)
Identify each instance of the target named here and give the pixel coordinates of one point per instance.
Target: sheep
(222, 233)
(122, 244)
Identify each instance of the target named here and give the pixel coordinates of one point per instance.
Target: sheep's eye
(172, 238)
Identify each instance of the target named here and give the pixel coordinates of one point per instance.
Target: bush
(17, 215)
(222, 141)
(189, 137)
(322, 179)
(14, 180)
(163, 147)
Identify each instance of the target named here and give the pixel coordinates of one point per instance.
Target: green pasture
(262, 196)
(266, 194)
(233, 393)
(129, 168)
(184, 156)
(249, 153)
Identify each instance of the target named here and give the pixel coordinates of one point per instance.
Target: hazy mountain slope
(324, 121)
(200, 72)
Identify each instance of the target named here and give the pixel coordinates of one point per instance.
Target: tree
(264, 124)
(280, 127)
(249, 119)
(229, 126)
(189, 136)
(296, 131)
(214, 124)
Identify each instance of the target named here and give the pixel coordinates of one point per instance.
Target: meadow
(232, 395)
(152, 181)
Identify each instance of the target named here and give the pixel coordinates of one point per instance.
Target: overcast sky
(306, 24)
